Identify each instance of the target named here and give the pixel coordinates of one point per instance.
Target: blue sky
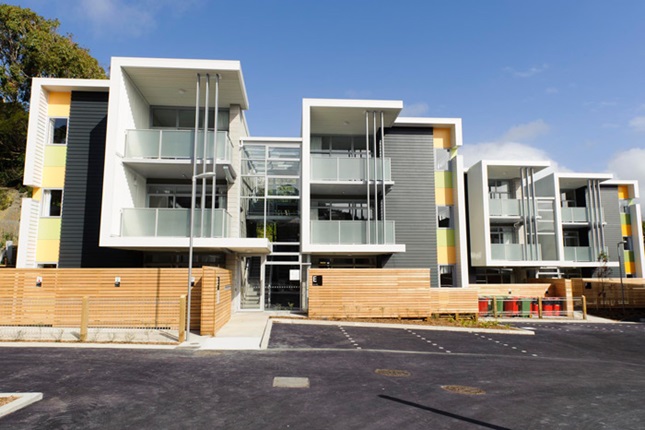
(552, 79)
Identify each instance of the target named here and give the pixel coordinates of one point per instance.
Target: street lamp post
(190, 242)
(620, 266)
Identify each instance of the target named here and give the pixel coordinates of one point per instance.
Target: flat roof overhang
(352, 249)
(172, 82)
(200, 244)
(579, 180)
(346, 116)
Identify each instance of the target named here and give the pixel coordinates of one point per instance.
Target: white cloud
(506, 151)
(527, 131)
(415, 109)
(528, 72)
(552, 90)
(638, 123)
(628, 165)
(132, 18)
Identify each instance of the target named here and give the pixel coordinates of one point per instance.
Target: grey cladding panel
(81, 213)
(411, 201)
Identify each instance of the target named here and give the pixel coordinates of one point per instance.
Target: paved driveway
(571, 376)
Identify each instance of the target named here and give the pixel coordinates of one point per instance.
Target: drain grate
(463, 389)
(393, 372)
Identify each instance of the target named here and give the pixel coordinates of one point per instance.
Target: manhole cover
(392, 372)
(463, 389)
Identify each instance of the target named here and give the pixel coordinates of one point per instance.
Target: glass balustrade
(578, 253)
(504, 207)
(348, 169)
(153, 222)
(506, 251)
(351, 232)
(175, 144)
(574, 215)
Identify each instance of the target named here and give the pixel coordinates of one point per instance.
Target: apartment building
(120, 167)
(527, 221)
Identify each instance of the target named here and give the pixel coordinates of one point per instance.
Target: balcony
(578, 253)
(174, 145)
(351, 232)
(341, 169)
(153, 222)
(504, 207)
(574, 215)
(506, 251)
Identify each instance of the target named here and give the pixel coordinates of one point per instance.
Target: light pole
(620, 266)
(190, 242)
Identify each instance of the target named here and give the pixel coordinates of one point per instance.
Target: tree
(30, 46)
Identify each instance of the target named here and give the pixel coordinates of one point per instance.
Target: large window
(444, 216)
(58, 131)
(446, 276)
(442, 159)
(178, 196)
(504, 234)
(339, 210)
(271, 192)
(499, 189)
(184, 118)
(52, 203)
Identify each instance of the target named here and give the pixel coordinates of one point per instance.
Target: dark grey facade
(80, 223)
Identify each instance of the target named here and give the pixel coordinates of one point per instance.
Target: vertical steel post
(375, 181)
(383, 217)
(214, 191)
(535, 214)
(203, 197)
(192, 206)
(367, 170)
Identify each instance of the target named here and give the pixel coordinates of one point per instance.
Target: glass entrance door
(282, 287)
(252, 281)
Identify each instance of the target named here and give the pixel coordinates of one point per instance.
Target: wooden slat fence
(383, 293)
(57, 301)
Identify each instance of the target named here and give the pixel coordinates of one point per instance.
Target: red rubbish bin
(483, 305)
(534, 307)
(547, 307)
(511, 306)
(556, 307)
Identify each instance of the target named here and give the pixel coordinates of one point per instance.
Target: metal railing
(160, 222)
(175, 144)
(93, 320)
(533, 307)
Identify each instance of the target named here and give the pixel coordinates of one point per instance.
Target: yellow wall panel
(630, 268)
(59, 104)
(55, 155)
(446, 255)
(626, 229)
(49, 229)
(444, 196)
(441, 138)
(623, 192)
(53, 176)
(47, 251)
(37, 193)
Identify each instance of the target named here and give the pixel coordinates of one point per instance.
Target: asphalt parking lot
(584, 376)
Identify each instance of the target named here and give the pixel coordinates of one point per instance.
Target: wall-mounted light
(39, 281)
(192, 281)
(117, 281)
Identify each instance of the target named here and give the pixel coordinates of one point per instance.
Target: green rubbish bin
(499, 302)
(525, 307)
